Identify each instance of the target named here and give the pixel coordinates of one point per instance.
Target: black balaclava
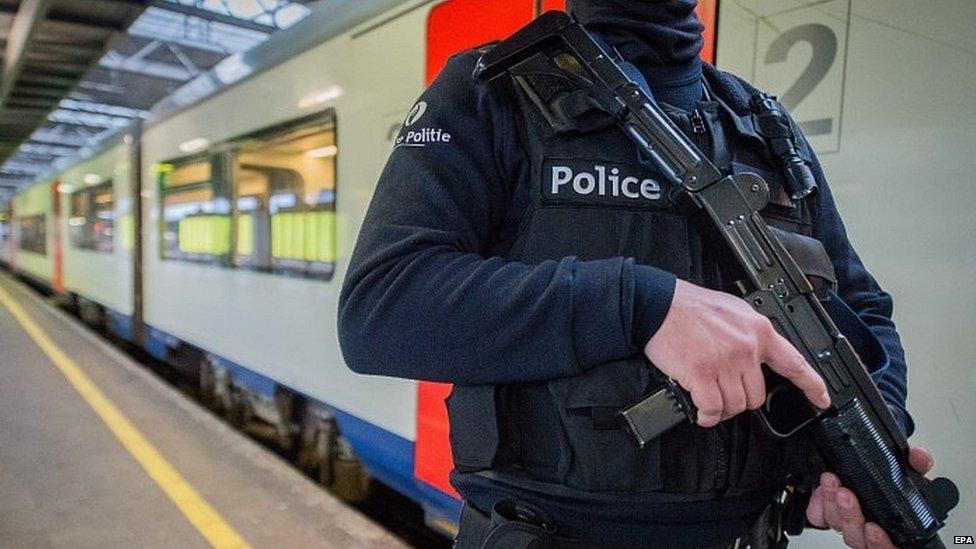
(648, 33)
(662, 38)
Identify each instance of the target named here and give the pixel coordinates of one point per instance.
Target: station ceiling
(74, 71)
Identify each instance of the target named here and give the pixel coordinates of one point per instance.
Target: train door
(57, 258)
(453, 26)
(14, 239)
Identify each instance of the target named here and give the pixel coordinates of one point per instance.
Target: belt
(766, 532)
(511, 526)
(517, 526)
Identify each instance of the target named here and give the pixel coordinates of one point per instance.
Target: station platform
(95, 451)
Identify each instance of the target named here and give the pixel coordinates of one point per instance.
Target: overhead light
(323, 152)
(232, 69)
(319, 97)
(92, 179)
(196, 144)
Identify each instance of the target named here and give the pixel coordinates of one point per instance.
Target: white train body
(99, 270)
(290, 321)
(900, 162)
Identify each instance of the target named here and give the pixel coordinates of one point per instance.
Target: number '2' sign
(795, 51)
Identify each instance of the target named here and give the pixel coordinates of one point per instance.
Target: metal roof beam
(81, 128)
(64, 68)
(88, 29)
(82, 22)
(173, 38)
(60, 138)
(20, 116)
(13, 167)
(33, 102)
(101, 108)
(25, 23)
(145, 68)
(133, 3)
(34, 141)
(31, 77)
(38, 91)
(69, 48)
(43, 150)
(89, 119)
(65, 134)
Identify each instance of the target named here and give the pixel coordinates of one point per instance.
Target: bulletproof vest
(590, 196)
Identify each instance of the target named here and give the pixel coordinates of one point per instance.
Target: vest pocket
(474, 446)
(781, 212)
(600, 454)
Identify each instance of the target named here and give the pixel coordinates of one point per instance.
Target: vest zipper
(722, 449)
(699, 133)
(697, 123)
(721, 439)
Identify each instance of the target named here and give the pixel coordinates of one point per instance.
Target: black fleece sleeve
(864, 295)
(421, 300)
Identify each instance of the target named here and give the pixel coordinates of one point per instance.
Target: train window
(195, 220)
(33, 234)
(92, 221)
(4, 227)
(284, 188)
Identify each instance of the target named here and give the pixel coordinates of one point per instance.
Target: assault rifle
(857, 435)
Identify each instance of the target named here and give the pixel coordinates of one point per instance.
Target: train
(215, 234)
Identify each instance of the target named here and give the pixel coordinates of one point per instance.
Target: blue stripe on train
(385, 455)
(389, 458)
(254, 382)
(119, 324)
(159, 342)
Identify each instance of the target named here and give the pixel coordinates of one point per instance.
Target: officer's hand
(713, 344)
(833, 506)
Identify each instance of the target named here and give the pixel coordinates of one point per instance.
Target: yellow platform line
(203, 517)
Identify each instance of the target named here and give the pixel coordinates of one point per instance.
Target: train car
(34, 250)
(97, 228)
(235, 208)
(5, 236)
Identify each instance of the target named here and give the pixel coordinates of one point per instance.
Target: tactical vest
(590, 196)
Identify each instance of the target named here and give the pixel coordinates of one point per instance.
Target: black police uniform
(517, 261)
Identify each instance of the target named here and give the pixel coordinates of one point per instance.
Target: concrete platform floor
(67, 481)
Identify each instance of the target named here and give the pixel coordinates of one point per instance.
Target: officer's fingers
(733, 396)
(755, 387)
(921, 459)
(852, 521)
(876, 538)
(830, 483)
(815, 509)
(708, 399)
(785, 360)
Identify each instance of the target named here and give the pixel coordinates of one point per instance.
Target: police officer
(538, 267)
